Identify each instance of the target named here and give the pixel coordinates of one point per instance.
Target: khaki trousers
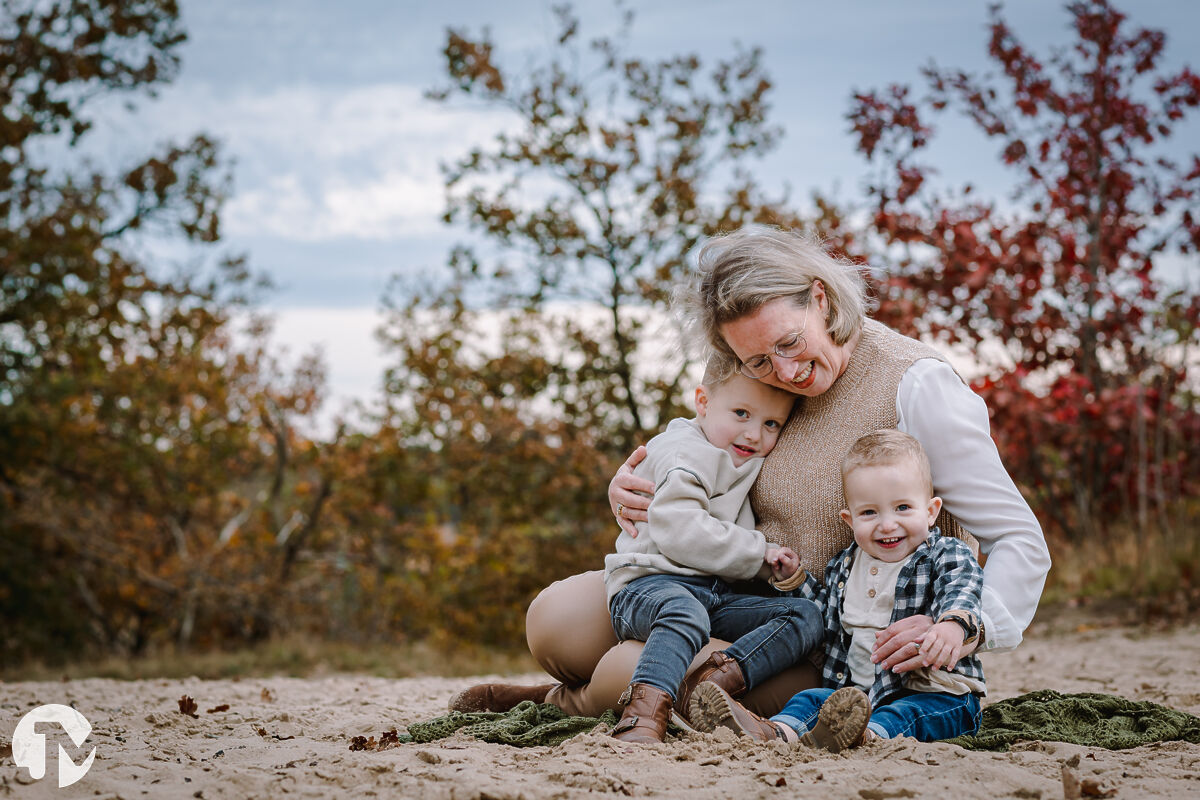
(570, 633)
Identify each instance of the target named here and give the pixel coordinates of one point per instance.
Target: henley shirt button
(870, 593)
(874, 570)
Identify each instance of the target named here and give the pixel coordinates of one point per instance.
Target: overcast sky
(336, 153)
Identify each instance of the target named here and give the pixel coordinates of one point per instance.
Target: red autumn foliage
(1087, 349)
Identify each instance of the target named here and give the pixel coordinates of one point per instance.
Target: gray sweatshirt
(700, 518)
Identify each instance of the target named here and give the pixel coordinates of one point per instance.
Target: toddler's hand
(942, 645)
(783, 562)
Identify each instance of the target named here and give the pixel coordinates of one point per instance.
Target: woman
(777, 307)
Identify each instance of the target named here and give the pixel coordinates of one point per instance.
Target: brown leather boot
(841, 722)
(718, 668)
(646, 712)
(712, 707)
(498, 696)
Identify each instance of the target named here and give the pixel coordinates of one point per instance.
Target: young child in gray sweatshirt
(669, 585)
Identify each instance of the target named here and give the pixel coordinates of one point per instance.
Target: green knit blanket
(1088, 719)
(526, 725)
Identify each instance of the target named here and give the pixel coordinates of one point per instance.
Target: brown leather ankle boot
(646, 712)
(719, 668)
(498, 696)
(712, 707)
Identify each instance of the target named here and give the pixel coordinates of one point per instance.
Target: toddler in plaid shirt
(898, 566)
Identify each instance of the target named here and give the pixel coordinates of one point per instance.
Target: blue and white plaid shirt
(941, 576)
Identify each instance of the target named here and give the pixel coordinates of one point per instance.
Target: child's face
(742, 416)
(890, 510)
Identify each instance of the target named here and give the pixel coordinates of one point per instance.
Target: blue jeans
(926, 716)
(675, 616)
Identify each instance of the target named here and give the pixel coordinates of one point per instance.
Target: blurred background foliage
(155, 493)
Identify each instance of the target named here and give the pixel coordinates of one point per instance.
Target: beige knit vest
(798, 494)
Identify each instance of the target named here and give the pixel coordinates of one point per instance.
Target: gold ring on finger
(620, 509)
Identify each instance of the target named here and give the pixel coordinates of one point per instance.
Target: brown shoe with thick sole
(498, 696)
(644, 720)
(718, 668)
(841, 722)
(712, 707)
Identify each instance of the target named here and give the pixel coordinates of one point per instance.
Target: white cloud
(318, 163)
(383, 121)
(390, 207)
(362, 163)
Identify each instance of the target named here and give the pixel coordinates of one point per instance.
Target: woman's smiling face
(810, 373)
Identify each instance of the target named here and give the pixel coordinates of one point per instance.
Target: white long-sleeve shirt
(977, 490)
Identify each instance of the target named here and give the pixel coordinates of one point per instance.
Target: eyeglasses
(789, 346)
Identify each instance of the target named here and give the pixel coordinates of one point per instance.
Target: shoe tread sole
(710, 710)
(841, 722)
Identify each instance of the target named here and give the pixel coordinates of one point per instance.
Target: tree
(529, 371)
(136, 430)
(609, 178)
(1092, 402)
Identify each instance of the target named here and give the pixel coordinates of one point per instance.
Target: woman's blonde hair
(742, 271)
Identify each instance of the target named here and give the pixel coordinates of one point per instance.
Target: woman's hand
(628, 495)
(916, 642)
(897, 647)
(901, 646)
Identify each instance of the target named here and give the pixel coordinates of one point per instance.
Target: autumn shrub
(1152, 571)
(145, 429)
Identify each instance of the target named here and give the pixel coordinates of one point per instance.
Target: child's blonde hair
(887, 447)
(716, 376)
(716, 373)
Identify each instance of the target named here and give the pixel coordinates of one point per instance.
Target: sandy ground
(283, 736)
